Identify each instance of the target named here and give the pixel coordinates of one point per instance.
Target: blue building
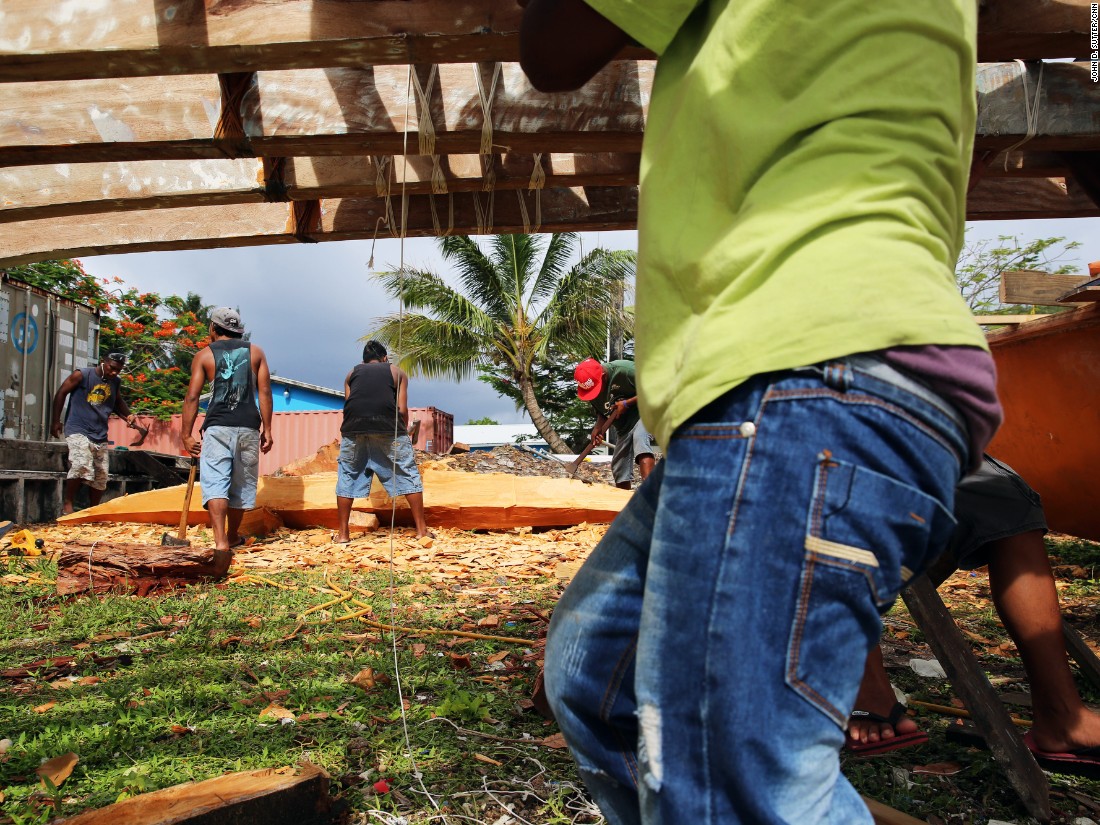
(288, 395)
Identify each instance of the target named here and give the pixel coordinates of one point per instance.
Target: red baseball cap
(589, 375)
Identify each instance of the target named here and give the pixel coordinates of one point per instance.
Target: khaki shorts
(88, 461)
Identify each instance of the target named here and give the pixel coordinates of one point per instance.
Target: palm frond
(558, 252)
(588, 298)
(421, 290)
(481, 277)
(515, 256)
(430, 347)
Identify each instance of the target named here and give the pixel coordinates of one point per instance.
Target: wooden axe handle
(576, 463)
(182, 533)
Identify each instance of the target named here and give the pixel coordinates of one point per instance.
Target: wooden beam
(1026, 199)
(1088, 292)
(1007, 320)
(970, 683)
(321, 112)
(58, 190)
(366, 111)
(553, 210)
(1022, 286)
(52, 40)
(1029, 30)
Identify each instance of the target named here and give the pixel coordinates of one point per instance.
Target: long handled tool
(143, 433)
(575, 465)
(180, 539)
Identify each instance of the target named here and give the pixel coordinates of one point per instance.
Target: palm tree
(508, 311)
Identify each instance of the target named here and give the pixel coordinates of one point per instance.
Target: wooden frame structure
(136, 125)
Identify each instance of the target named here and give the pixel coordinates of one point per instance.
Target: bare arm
(263, 387)
(67, 386)
(402, 381)
(563, 43)
(201, 364)
(122, 407)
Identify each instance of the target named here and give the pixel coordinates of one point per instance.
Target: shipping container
(44, 337)
(295, 435)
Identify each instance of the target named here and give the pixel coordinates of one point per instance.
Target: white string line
(396, 428)
(1031, 108)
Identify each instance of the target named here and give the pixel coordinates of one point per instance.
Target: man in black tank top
(234, 432)
(375, 439)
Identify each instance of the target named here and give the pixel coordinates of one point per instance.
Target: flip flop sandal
(1084, 762)
(895, 742)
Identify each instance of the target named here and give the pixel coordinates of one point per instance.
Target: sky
(308, 305)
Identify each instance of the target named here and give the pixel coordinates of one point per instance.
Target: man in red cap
(610, 389)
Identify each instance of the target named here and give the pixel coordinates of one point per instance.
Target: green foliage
(515, 303)
(159, 334)
(556, 390)
(465, 705)
(485, 420)
(981, 264)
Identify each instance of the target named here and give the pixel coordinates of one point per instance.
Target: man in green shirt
(815, 380)
(610, 389)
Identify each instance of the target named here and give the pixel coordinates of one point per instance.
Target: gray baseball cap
(228, 319)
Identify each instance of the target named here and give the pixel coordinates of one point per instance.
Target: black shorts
(991, 503)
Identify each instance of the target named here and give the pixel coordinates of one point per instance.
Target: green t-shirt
(803, 183)
(618, 385)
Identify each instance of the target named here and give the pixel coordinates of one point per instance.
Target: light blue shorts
(229, 465)
(628, 449)
(364, 456)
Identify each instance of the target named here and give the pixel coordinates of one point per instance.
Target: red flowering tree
(159, 334)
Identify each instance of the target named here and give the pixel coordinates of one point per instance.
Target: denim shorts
(628, 448)
(363, 456)
(229, 465)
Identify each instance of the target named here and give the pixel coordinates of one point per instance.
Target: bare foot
(222, 560)
(342, 538)
(67, 508)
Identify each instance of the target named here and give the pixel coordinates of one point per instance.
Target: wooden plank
(320, 112)
(1002, 320)
(1029, 30)
(254, 224)
(1086, 293)
(267, 223)
(1021, 286)
(466, 501)
(58, 190)
(366, 111)
(1065, 117)
(51, 40)
(1079, 649)
(972, 686)
(269, 796)
(995, 199)
(885, 815)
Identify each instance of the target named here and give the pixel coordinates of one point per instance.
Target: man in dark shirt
(93, 393)
(234, 431)
(610, 387)
(374, 439)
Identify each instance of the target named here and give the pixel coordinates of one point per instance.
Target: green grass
(184, 703)
(180, 681)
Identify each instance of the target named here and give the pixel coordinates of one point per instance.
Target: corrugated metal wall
(296, 434)
(43, 338)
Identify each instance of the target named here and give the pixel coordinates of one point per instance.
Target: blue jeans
(704, 661)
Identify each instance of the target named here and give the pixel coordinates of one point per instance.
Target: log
(269, 796)
(101, 566)
(467, 501)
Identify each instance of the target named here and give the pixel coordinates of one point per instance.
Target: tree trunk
(538, 419)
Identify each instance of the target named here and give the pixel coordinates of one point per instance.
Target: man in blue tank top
(234, 432)
(93, 394)
(375, 440)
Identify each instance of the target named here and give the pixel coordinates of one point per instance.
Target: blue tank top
(233, 395)
(91, 404)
